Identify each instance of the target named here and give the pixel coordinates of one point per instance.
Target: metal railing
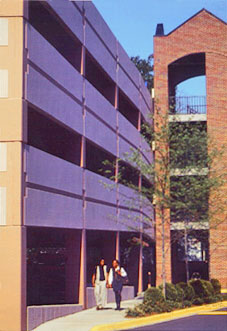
(187, 105)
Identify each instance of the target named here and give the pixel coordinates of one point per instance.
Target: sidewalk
(87, 319)
(109, 319)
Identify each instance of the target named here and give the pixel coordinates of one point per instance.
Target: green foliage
(198, 301)
(171, 292)
(154, 301)
(224, 297)
(216, 285)
(145, 68)
(137, 311)
(188, 290)
(180, 293)
(185, 151)
(149, 308)
(202, 288)
(153, 295)
(209, 287)
(173, 305)
(186, 304)
(211, 299)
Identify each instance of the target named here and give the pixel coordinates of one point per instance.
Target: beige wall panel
(3, 156)
(3, 31)
(12, 289)
(4, 83)
(11, 179)
(2, 205)
(11, 57)
(11, 7)
(11, 120)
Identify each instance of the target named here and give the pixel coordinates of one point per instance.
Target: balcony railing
(187, 105)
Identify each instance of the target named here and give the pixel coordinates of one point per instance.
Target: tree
(145, 67)
(179, 184)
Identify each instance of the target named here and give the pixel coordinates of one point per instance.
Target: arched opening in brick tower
(187, 96)
(187, 84)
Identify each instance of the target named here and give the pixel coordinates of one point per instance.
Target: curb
(154, 319)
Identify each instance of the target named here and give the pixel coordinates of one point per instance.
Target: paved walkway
(86, 319)
(109, 319)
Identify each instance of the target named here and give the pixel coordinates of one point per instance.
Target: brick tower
(197, 47)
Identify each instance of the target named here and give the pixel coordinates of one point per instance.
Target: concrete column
(140, 265)
(83, 274)
(72, 268)
(118, 245)
(13, 278)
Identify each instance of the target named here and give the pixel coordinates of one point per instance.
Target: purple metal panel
(100, 53)
(46, 57)
(98, 23)
(101, 217)
(124, 147)
(100, 105)
(128, 65)
(70, 15)
(79, 4)
(129, 220)
(51, 171)
(96, 189)
(128, 197)
(126, 129)
(146, 150)
(146, 94)
(128, 88)
(52, 210)
(98, 132)
(45, 95)
(145, 110)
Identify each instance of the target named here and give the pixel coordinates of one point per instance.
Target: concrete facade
(67, 90)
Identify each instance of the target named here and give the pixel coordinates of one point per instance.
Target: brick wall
(203, 33)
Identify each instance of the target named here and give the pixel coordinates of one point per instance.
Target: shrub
(180, 293)
(153, 295)
(189, 292)
(216, 285)
(173, 304)
(224, 296)
(202, 288)
(186, 303)
(164, 306)
(220, 297)
(210, 299)
(198, 301)
(135, 312)
(209, 287)
(171, 292)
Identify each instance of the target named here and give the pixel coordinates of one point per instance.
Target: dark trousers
(118, 298)
(117, 287)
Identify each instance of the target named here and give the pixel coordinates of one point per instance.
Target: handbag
(125, 280)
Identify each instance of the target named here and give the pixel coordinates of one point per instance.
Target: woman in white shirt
(115, 281)
(99, 282)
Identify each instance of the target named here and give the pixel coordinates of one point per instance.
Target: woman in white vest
(99, 282)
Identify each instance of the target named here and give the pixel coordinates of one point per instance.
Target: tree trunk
(163, 253)
(186, 253)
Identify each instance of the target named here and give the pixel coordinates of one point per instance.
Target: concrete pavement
(109, 319)
(87, 319)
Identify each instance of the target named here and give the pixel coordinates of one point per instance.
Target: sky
(134, 22)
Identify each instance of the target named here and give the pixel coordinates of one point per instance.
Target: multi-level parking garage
(71, 99)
